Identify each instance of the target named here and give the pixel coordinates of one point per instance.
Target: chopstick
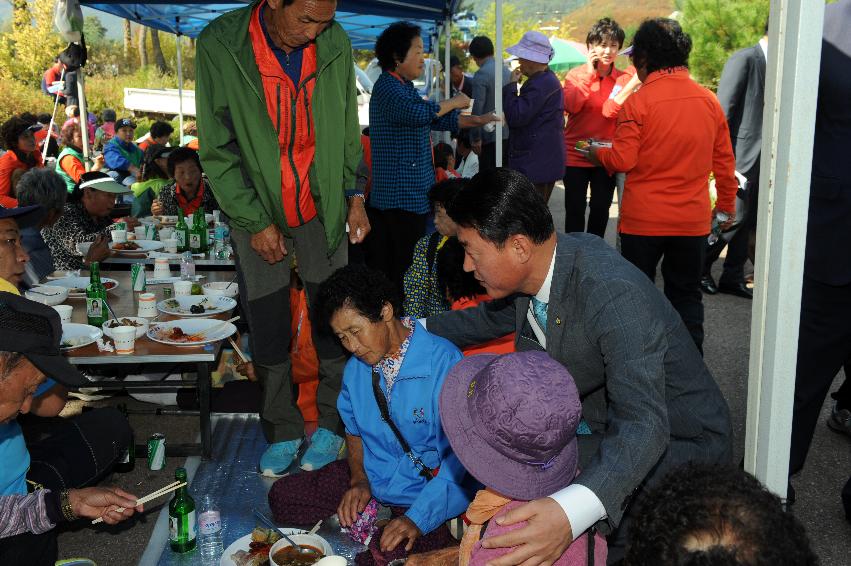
(216, 327)
(158, 493)
(237, 350)
(315, 527)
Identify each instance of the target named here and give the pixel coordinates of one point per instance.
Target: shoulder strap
(431, 251)
(425, 471)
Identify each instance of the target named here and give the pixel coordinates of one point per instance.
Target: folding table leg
(204, 390)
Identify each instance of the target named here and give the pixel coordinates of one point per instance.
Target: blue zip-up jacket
(116, 153)
(400, 124)
(393, 478)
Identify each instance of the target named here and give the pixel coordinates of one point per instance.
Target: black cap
(36, 332)
(125, 122)
(454, 61)
(26, 216)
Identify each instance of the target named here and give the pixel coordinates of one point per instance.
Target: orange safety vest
(289, 108)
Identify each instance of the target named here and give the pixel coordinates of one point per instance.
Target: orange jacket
(611, 109)
(289, 108)
(73, 167)
(584, 96)
(503, 345)
(670, 136)
(9, 163)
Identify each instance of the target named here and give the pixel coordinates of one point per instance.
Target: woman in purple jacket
(535, 114)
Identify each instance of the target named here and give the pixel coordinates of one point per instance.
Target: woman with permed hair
(392, 381)
(671, 135)
(69, 165)
(401, 122)
(17, 136)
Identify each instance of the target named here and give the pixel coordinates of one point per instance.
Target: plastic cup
(162, 270)
(119, 236)
(469, 110)
(166, 233)
(65, 312)
(182, 288)
(171, 245)
(124, 338)
(147, 305)
(139, 231)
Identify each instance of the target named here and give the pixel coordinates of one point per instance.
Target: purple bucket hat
(512, 420)
(533, 46)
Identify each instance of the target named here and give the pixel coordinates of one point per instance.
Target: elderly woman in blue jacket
(400, 123)
(396, 364)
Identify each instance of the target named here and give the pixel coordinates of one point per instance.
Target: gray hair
(8, 362)
(42, 186)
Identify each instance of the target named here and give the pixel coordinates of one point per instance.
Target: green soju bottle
(181, 517)
(96, 298)
(181, 232)
(198, 233)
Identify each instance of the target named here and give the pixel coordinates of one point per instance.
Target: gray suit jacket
(646, 393)
(741, 91)
(485, 99)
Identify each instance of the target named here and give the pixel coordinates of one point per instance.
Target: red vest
(289, 108)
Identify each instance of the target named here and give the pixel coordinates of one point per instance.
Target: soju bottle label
(195, 241)
(181, 529)
(94, 308)
(181, 238)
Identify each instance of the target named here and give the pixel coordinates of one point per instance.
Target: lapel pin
(558, 321)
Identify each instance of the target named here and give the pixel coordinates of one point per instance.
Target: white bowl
(315, 541)
(217, 289)
(140, 330)
(50, 295)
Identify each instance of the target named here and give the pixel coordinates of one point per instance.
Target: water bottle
(222, 241)
(210, 542)
(187, 267)
(720, 218)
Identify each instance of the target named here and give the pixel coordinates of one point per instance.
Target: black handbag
(425, 471)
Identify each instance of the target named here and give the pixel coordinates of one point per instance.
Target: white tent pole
(179, 43)
(84, 117)
(497, 81)
(446, 78)
(791, 92)
(52, 119)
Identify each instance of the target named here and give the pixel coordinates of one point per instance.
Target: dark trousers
(682, 264)
(264, 292)
(824, 345)
(545, 190)
(576, 181)
(389, 246)
(29, 550)
(305, 498)
(77, 452)
(487, 158)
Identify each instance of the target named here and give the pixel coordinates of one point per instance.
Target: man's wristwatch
(356, 195)
(65, 505)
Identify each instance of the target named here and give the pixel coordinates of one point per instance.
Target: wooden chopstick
(216, 327)
(158, 493)
(237, 350)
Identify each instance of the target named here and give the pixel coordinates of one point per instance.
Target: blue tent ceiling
(362, 19)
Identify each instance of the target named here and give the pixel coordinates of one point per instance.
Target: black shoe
(840, 420)
(738, 289)
(708, 285)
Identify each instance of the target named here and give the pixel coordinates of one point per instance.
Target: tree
(94, 30)
(717, 29)
(33, 43)
(514, 24)
(159, 58)
(128, 39)
(143, 47)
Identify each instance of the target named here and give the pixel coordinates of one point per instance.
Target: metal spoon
(231, 282)
(269, 523)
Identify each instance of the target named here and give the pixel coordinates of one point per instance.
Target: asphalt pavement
(726, 352)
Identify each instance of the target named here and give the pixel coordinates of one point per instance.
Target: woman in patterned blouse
(86, 217)
(190, 190)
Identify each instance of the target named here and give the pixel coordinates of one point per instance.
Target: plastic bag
(69, 20)
(305, 362)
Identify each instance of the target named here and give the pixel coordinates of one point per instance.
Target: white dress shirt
(469, 166)
(582, 507)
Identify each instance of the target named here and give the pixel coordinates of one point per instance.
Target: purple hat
(533, 46)
(512, 420)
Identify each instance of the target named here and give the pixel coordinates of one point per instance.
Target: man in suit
(484, 142)
(648, 399)
(741, 91)
(824, 341)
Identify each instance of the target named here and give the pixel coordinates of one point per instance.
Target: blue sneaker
(278, 457)
(325, 447)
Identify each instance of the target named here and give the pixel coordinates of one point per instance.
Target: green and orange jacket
(243, 150)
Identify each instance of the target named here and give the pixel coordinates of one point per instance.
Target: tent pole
(179, 42)
(84, 117)
(446, 75)
(497, 81)
(52, 120)
(791, 89)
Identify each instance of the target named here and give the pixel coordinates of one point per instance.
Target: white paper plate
(78, 335)
(191, 326)
(179, 306)
(81, 283)
(144, 247)
(242, 544)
